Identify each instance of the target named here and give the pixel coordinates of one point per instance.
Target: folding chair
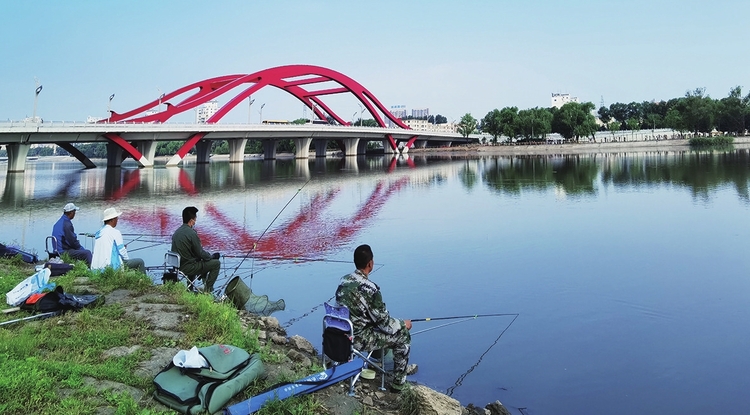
(172, 271)
(50, 246)
(338, 344)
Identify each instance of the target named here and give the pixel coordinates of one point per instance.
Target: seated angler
(194, 261)
(65, 235)
(374, 328)
(109, 248)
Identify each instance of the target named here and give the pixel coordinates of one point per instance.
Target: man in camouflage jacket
(374, 328)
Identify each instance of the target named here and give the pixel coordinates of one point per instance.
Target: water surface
(627, 271)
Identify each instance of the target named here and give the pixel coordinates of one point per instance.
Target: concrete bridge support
(351, 146)
(148, 150)
(269, 149)
(203, 151)
(321, 147)
(387, 147)
(14, 194)
(420, 144)
(114, 155)
(302, 147)
(17, 153)
(237, 150)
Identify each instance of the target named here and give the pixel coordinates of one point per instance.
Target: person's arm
(121, 245)
(198, 251)
(380, 315)
(69, 236)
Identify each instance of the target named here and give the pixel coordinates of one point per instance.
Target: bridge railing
(26, 124)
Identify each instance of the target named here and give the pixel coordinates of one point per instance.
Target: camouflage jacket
(366, 307)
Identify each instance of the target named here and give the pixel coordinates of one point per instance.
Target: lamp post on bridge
(361, 111)
(109, 106)
(249, 108)
(261, 113)
(353, 117)
(36, 98)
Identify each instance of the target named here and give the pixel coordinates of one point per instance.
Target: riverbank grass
(46, 366)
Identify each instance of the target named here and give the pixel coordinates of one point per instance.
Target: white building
(205, 111)
(558, 100)
(423, 125)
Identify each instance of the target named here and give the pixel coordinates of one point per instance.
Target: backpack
(193, 390)
(60, 301)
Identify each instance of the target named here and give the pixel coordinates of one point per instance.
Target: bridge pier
(420, 144)
(302, 147)
(203, 151)
(351, 146)
(114, 155)
(237, 150)
(321, 147)
(17, 153)
(148, 150)
(387, 149)
(269, 149)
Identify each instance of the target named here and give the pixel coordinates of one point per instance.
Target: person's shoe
(411, 369)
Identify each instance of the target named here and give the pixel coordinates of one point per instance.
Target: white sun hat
(110, 213)
(70, 207)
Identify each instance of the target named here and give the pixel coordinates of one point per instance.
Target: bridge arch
(296, 80)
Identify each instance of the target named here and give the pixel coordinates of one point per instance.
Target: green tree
(492, 125)
(633, 124)
(674, 121)
(697, 111)
(467, 125)
(730, 112)
(604, 115)
(575, 120)
(439, 119)
(508, 120)
(613, 127)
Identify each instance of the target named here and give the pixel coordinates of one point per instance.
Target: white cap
(70, 207)
(110, 213)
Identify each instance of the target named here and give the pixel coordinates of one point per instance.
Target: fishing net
(244, 298)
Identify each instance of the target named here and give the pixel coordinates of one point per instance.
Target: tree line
(695, 113)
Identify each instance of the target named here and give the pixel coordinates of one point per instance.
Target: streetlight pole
(109, 105)
(353, 117)
(260, 120)
(36, 98)
(249, 108)
(361, 111)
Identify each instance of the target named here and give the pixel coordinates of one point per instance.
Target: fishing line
(461, 378)
(255, 244)
(312, 310)
(146, 247)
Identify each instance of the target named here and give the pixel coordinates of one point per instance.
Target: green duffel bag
(192, 390)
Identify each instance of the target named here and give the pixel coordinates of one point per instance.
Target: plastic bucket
(238, 292)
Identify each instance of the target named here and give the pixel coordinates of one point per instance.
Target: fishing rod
(465, 317)
(255, 244)
(294, 259)
(440, 326)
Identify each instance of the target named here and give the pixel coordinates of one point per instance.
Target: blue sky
(452, 57)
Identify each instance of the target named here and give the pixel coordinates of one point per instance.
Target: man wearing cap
(193, 259)
(109, 248)
(66, 238)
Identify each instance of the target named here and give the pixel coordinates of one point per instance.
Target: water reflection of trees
(701, 172)
(574, 174)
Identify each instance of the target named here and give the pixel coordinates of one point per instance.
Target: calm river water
(628, 272)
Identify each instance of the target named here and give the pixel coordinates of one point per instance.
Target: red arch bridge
(135, 133)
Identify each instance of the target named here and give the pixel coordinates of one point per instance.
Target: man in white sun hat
(66, 238)
(109, 248)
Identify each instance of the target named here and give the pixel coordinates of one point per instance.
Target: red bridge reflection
(310, 234)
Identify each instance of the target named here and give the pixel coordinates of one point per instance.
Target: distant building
(558, 100)
(422, 113)
(205, 111)
(423, 125)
